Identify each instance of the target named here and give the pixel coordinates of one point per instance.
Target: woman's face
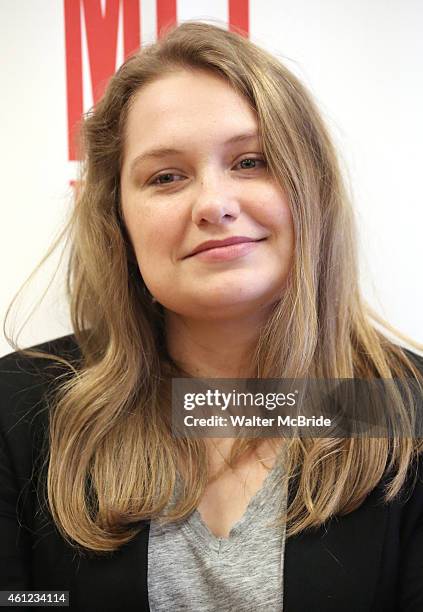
(204, 185)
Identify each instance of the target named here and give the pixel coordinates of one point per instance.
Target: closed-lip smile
(212, 244)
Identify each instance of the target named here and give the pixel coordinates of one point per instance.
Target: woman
(205, 137)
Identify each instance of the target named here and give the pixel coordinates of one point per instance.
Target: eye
(164, 175)
(254, 160)
(167, 178)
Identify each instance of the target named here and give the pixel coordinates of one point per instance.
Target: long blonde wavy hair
(112, 460)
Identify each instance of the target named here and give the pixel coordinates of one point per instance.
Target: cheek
(276, 213)
(154, 235)
(286, 221)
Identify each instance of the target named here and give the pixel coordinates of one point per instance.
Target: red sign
(102, 39)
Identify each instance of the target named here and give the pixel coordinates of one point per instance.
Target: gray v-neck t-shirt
(190, 569)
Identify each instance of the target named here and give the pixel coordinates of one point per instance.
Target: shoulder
(415, 358)
(25, 382)
(63, 346)
(415, 473)
(410, 499)
(18, 370)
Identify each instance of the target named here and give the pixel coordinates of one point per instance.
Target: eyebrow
(163, 151)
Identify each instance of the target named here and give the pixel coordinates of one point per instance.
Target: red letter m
(102, 41)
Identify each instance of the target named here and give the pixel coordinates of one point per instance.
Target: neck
(213, 349)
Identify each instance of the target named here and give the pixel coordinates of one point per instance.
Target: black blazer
(368, 560)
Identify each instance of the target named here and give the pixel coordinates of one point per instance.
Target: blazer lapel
(333, 568)
(337, 566)
(117, 581)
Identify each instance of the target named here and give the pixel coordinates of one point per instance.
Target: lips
(213, 244)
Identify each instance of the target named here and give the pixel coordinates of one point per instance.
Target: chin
(208, 306)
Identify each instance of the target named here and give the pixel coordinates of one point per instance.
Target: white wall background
(363, 62)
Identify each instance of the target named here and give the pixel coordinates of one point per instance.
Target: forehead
(187, 105)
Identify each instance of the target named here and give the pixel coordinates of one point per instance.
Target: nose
(214, 201)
